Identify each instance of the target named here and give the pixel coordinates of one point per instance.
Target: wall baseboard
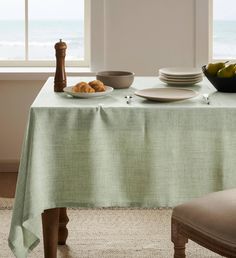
(9, 166)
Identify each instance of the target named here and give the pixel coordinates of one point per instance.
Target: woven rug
(110, 233)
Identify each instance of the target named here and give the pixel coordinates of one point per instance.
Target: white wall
(15, 100)
(138, 35)
(144, 35)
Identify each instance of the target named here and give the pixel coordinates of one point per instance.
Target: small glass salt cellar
(60, 74)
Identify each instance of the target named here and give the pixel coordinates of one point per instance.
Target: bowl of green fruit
(221, 75)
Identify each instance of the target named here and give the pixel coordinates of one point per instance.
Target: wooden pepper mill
(60, 75)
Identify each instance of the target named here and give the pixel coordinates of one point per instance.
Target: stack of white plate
(180, 75)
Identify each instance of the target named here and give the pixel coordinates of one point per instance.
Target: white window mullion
(87, 25)
(26, 31)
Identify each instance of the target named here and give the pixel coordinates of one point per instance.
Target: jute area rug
(110, 233)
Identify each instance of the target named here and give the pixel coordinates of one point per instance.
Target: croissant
(83, 87)
(97, 85)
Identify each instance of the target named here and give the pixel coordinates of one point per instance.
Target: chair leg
(62, 231)
(178, 239)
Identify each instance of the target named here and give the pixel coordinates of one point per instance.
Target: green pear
(227, 72)
(213, 68)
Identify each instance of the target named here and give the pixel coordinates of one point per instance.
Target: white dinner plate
(180, 77)
(166, 94)
(180, 82)
(85, 95)
(181, 71)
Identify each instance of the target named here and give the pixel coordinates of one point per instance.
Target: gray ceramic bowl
(116, 79)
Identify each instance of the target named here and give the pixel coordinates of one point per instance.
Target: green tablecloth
(103, 152)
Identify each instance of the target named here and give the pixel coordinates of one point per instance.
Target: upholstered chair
(209, 221)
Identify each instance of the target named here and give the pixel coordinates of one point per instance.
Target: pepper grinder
(60, 75)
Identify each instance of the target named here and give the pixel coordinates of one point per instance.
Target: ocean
(224, 39)
(44, 34)
(42, 37)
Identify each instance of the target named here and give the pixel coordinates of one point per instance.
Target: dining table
(106, 152)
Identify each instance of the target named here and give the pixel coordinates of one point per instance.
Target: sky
(42, 9)
(224, 9)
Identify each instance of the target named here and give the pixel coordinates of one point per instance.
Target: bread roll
(83, 87)
(97, 85)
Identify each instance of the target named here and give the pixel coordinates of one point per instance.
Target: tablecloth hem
(22, 254)
(110, 205)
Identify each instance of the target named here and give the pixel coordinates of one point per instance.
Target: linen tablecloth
(103, 152)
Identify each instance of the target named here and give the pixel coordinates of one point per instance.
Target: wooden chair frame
(180, 233)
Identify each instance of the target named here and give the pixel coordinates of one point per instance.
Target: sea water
(224, 39)
(42, 37)
(44, 34)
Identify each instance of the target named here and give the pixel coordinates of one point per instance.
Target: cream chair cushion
(213, 215)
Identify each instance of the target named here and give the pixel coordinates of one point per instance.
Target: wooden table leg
(63, 231)
(50, 221)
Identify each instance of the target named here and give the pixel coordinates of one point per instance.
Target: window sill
(39, 73)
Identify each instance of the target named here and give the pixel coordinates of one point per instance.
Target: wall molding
(9, 166)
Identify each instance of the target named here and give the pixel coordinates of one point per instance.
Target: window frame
(204, 33)
(51, 63)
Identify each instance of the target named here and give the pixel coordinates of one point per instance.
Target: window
(224, 29)
(29, 30)
(215, 31)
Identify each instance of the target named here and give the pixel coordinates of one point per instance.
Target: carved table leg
(178, 240)
(63, 231)
(50, 221)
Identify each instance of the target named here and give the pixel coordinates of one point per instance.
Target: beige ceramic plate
(166, 94)
(174, 77)
(180, 82)
(69, 91)
(181, 71)
(181, 78)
